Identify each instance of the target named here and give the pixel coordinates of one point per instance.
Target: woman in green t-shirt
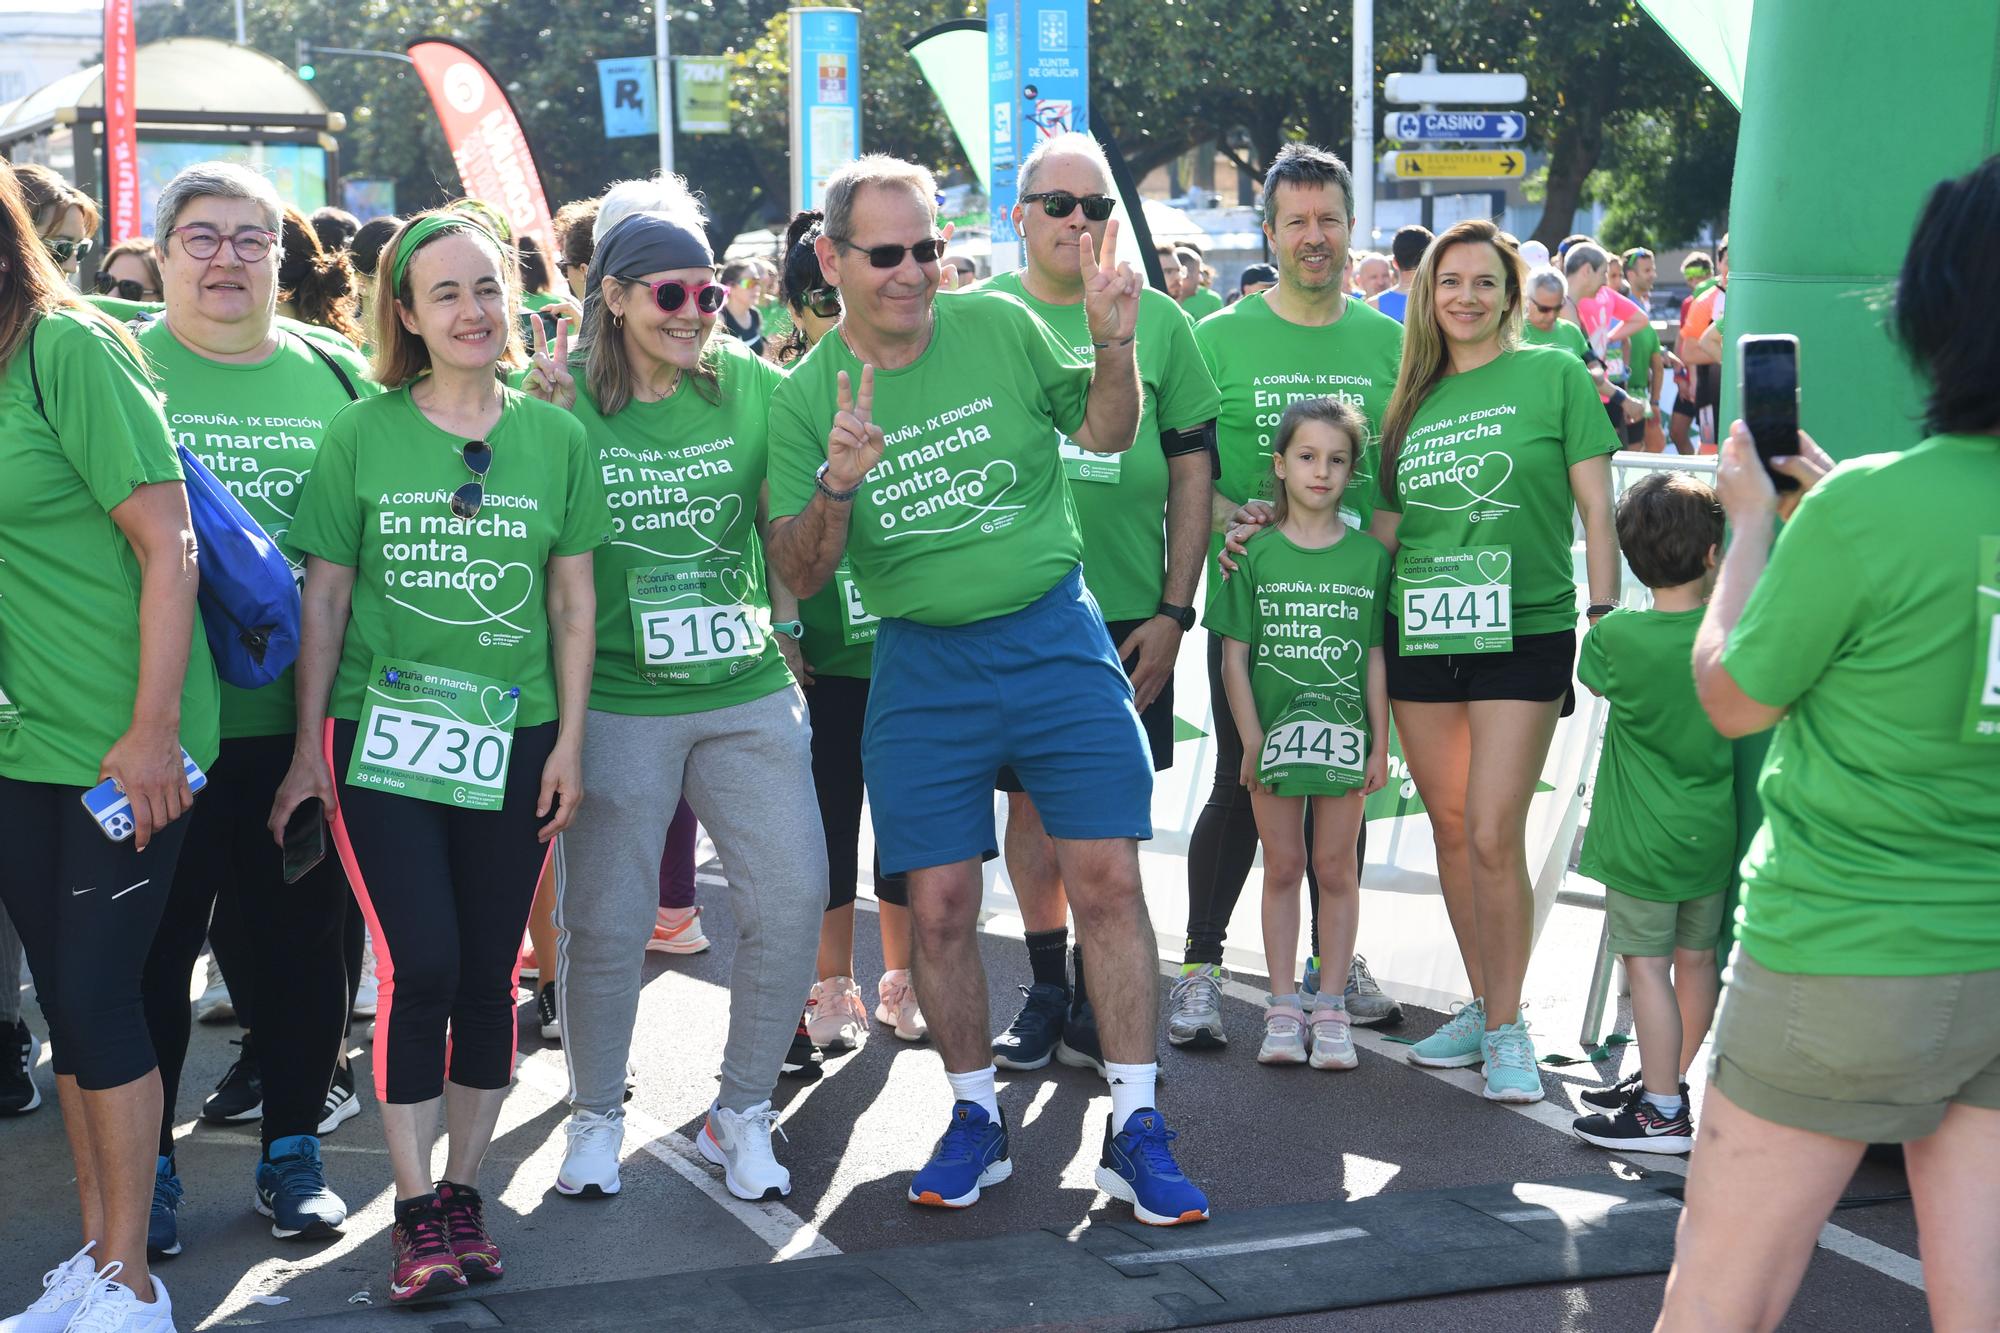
(1862, 1004)
(694, 692)
(1487, 449)
(102, 676)
(448, 527)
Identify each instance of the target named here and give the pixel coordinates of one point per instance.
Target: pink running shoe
(684, 937)
(836, 1015)
(422, 1266)
(898, 1006)
(478, 1254)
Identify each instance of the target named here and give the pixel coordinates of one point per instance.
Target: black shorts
(1707, 392)
(1157, 719)
(1540, 667)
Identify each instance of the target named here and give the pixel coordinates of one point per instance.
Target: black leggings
(86, 909)
(838, 706)
(290, 961)
(447, 894)
(1224, 842)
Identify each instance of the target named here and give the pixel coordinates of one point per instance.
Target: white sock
(1666, 1106)
(1131, 1090)
(976, 1087)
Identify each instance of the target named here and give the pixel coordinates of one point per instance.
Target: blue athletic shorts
(1040, 689)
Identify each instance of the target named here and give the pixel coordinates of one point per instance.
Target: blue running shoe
(1512, 1074)
(1030, 1040)
(1457, 1041)
(1309, 984)
(1138, 1166)
(292, 1192)
(1079, 1047)
(971, 1155)
(163, 1228)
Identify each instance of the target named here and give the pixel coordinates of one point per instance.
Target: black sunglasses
(125, 289)
(62, 251)
(1061, 203)
(823, 301)
(466, 500)
(1555, 309)
(889, 256)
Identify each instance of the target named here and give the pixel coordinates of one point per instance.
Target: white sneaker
(112, 1307)
(685, 938)
(215, 1006)
(1332, 1037)
(897, 1007)
(740, 1143)
(590, 1167)
(63, 1290)
(1284, 1036)
(366, 993)
(836, 1015)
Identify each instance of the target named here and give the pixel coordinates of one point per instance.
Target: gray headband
(647, 243)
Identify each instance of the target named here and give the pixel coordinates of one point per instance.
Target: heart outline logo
(498, 693)
(1495, 566)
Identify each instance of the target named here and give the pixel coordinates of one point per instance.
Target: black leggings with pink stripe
(447, 894)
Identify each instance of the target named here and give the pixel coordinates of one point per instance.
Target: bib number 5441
(1484, 608)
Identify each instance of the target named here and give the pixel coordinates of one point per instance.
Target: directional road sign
(1426, 166)
(1427, 86)
(1463, 126)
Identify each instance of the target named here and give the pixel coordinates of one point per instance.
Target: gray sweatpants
(747, 771)
(10, 972)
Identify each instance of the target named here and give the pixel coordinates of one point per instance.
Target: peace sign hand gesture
(855, 443)
(1110, 296)
(549, 377)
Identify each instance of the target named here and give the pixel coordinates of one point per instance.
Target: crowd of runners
(578, 575)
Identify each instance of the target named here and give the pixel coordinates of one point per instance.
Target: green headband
(422, 230)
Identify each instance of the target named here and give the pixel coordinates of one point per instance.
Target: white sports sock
(976, 1087)
(1666, 1106)
(1131, 1090)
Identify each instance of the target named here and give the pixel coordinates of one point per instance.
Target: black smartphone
(1768, 376)
(305, 839)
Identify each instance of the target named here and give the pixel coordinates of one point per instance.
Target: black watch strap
(1180, 615)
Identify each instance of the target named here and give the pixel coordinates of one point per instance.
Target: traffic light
(304, 64)
(307, 72)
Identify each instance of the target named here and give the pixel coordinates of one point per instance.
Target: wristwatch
(838, 497)
(1596, 609)
(791, 629)
(1180, 615)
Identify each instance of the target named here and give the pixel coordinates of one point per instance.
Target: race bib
(10, 713)
(1312, 742)
(1982, 708)
(1614, 366)
(1459, 600)
(1080, 464)
(856, 624)
(694, 623)
(436, 735)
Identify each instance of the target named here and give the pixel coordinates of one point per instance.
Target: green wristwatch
(792, 629)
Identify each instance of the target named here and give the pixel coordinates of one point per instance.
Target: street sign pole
(1364, 124)
(662, 90)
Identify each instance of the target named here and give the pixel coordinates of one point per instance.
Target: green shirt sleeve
(1804, 610)
(328, 524)
(1593, 664)
(587, 522)
(797, 448)
(1586, 427)
(1065, 380)
(1232, 612)
(1188, 395)
(107, 418)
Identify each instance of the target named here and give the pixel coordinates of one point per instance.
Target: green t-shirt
(1263, 363)
(1310, 618)
(533, 301)
(967, 516)
(1663, 815)
(1639, 353)
(683, 477)
(257, 427)
(1199, 306)
(1124, 516)
(433, 588)
(1486, 462)
(1880, 849)
(69, 582)
(1564, 335)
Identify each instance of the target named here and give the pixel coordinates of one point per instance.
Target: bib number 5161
(436, 748)
(699, 634)
(1321, 744)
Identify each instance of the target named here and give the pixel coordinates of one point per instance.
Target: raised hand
(855, 443)
(1110, 295)
(549, 377)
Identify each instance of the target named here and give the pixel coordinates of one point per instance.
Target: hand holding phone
(1768, 378)
(305, 839)
(112, 808)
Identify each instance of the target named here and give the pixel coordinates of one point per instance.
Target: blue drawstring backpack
(249, 601)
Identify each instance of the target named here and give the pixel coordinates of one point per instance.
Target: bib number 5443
(1318, 744)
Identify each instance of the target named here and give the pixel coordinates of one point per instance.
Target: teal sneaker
(1457, 1043)
(1511, 1072)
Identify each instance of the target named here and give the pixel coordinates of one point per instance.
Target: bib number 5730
(433, 747)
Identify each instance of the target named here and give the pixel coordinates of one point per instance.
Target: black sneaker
(1624, 1090)
(545, 1013)
(1030, 1040)
(239, 1097)
(1079, 1047)
(804, 1061)
(18, 1093)
(341, 1102)
(1639, 1127)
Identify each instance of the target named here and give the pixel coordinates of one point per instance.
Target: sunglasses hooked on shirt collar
(1061, 203)
(889, 256)
(467, 500)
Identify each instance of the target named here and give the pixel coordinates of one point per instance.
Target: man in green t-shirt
(1142, 571)
(1544, 325)
(1199, 300)
(1304, 338)
(922, 438)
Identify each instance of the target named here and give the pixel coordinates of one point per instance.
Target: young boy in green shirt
(1662, 835)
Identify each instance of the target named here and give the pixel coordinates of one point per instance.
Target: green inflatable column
(1850, 115)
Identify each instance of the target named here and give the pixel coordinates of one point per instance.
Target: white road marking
(1147, 1258)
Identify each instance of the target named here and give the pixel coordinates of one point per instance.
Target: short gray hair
(662, 192)
(217, 180)
(1069, 143)
(1585, 254)
(878, 169)
(1549, 278)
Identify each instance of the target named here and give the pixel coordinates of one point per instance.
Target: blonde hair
(1343, 417)
(1426, 359)
(400, 355)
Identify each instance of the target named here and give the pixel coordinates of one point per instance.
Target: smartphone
(305, 839)
(1768, 375)
(112, 809)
